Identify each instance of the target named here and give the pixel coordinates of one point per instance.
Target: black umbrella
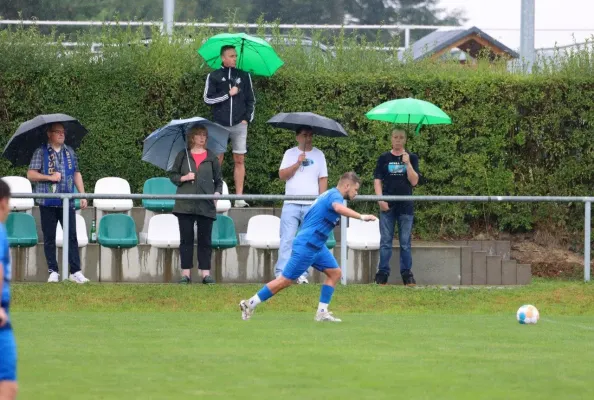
(320, 125)
(33, 133)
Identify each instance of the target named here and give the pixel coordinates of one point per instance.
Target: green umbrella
(409, 111)
(254, 55)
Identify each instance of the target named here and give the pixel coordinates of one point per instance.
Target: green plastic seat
(159, 186)
(117, 231)
(21, 230)
(223, 233)
(331, 242)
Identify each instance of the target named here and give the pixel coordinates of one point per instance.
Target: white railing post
(343, 248)
(65, 237)
(587, 240)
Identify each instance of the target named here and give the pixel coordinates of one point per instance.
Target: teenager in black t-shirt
(396, 173)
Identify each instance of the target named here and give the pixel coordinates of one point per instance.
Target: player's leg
(8, 383)
(301, 259)
(326, 263)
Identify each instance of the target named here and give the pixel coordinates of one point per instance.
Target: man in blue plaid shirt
(54, 169)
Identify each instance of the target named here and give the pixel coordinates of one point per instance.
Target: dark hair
(302, 128)
(4, 190)
(225, 48)
(351, 177)
(193, 131)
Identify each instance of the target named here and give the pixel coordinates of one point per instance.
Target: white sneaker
(241, 204)
(326, 317)
(246, 311)
(302, 280)
(78, 277)
(53, 278)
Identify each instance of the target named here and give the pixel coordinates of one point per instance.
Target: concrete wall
(146, 264)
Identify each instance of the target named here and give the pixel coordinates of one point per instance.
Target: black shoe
(381, 278)
(208, 280)
(408, 278)
(185, 280)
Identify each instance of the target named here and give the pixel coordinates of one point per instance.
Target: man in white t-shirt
(305, 171)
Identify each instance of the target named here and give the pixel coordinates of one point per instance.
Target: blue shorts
(8, 355)
(303, 256)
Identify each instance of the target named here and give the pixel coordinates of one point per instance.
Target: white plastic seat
(363, 235)
(224, 205)
(163, 231)
(18, 184)
(112, 185)
(263, 232)
(81, 232)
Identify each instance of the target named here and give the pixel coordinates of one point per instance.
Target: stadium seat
(223, 233)
(158, 186)
(363, 235)
(263, 232)
(331, 242)
(81, 232)
(18, 184)
(117, 231)
(112, 185)
(163, 231)
(224, 205)
(21, 230)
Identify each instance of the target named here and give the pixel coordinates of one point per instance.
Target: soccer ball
(527, 314)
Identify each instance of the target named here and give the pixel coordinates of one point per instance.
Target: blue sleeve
(336, 198)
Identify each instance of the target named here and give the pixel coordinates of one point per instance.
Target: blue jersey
(320, 220)
(5, 260)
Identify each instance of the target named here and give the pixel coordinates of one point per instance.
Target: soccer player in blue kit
(309, 248)
(8, 385)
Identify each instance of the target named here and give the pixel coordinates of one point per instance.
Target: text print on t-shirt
(396, 168)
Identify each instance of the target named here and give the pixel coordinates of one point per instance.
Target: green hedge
(512, 134)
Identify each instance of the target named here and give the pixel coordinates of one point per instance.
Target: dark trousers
(50, 216)
(186, 235)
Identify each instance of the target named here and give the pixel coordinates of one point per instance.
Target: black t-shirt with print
(392, 172)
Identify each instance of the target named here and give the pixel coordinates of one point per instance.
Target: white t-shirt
(305, 181)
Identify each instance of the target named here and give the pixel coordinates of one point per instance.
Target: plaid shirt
(37, 165)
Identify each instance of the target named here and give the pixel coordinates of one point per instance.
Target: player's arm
(347, 212)
(3, 316)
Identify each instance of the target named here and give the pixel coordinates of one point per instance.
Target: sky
(557, 21)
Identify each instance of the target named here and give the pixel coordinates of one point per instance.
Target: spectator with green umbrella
(230, 92)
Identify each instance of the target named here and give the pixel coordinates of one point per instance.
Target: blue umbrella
(162, 146)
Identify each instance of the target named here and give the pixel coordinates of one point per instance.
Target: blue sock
(265, 293)
(326, 294)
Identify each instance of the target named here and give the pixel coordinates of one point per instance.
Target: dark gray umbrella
(320, 125)
(33, 133)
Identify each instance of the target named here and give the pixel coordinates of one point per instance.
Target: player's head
(348, 185)
(304, 136)
(398, 139)
(229, 56)
(4, 198)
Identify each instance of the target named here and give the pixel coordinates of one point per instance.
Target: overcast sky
(574, 17)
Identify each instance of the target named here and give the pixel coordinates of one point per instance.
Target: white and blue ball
(527, 314)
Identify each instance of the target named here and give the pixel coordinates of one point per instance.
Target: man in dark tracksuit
(230, 93)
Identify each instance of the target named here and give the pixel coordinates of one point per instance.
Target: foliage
(512, 134)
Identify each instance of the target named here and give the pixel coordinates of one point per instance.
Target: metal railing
(66, 197)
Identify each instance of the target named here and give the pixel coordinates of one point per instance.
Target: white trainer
(53, 278)
(241, 204)
(302, 280)
(326, 316)
(246, 311)
(78, 277)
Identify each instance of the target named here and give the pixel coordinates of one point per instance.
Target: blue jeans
(388, 220)
(291, 218)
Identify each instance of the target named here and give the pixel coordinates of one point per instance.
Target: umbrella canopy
(320, 125)
(254, 55)
(162, 146)
(409, 111)
(33, 133)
